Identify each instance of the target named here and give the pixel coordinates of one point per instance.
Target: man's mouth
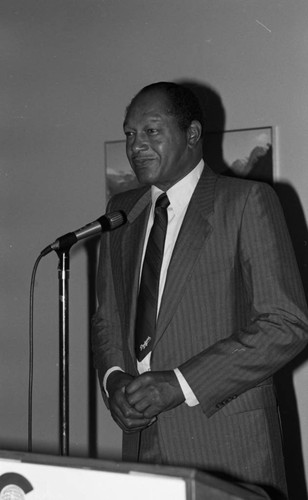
(142, 160)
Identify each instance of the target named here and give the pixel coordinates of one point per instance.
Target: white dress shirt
(179, 196)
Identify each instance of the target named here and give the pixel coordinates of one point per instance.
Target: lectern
(45, 477)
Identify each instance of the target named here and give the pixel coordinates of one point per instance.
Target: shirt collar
(180, 193)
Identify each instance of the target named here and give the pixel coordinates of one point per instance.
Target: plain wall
(68, 69)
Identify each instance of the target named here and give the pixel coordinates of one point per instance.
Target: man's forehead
(150, 104)
(144, 115)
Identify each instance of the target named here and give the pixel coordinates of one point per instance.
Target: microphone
(106, 222)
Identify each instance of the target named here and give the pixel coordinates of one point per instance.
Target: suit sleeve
(106, 328)
(277, 329)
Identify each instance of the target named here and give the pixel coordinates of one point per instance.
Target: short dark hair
(182, 102)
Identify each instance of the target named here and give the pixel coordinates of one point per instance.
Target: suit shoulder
(234, 193)
(238, 186)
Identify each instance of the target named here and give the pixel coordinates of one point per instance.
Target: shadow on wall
(213, 152)
(284, 379)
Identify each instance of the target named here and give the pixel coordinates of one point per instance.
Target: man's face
(156, 147)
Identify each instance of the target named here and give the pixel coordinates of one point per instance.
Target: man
(230, 313)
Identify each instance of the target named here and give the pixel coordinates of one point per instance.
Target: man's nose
(139, 144)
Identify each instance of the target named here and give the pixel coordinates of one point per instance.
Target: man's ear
(194, 133)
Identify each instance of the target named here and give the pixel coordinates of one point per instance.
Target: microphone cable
(30, 382)
(107, 222)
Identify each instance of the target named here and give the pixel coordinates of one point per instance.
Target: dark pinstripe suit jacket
(232, 313)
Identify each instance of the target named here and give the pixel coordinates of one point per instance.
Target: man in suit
(230, 312)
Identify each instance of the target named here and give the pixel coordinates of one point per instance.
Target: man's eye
(152, 131)
(129, 134)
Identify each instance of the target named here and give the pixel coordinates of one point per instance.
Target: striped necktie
(148, 293)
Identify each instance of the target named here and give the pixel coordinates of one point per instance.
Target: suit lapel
(132, 246)
(193, 235)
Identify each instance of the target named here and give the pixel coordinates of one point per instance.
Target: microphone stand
(62, 246)
(63, 277)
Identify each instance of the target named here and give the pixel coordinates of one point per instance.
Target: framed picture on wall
(242, 153)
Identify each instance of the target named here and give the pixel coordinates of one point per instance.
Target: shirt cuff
(113, 369)
(190, 398)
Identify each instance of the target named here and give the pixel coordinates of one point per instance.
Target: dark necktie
(149, 285)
